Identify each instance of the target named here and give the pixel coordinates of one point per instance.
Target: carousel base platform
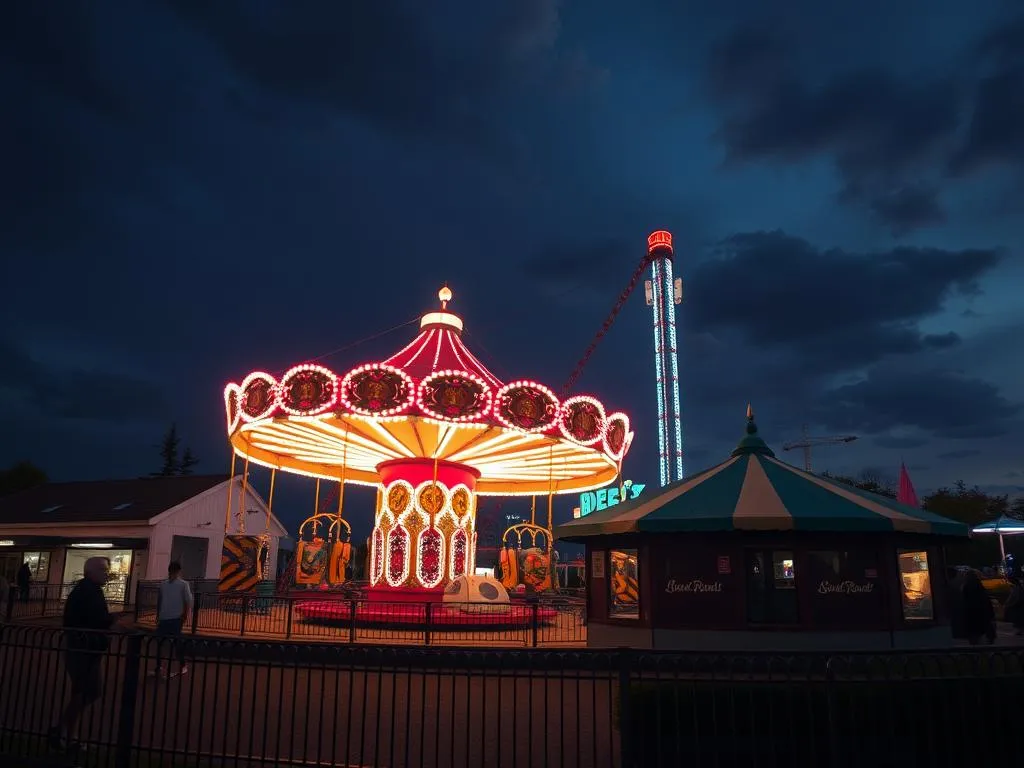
(417, 615)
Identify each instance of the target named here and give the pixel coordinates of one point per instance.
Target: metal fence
(263, 704)
(551, 622)
(47, 600)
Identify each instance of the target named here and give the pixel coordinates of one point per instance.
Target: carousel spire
(752, 442)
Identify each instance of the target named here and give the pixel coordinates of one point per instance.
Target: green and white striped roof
(754, 491)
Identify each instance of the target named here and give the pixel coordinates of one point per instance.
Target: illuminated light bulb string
(379, 419)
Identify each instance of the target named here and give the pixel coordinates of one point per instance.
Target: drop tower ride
(663, 292)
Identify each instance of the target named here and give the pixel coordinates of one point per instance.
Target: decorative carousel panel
(377, 390)
(398, 556)
(307, 390)
(430, 563)
(526, 405)
(259, 396)
(582, 420)
(377, 564)
(615, 434)
(454, 396)
(461, 501)
(232, 394)
(398, 498)
(460, 553)
(431, 499)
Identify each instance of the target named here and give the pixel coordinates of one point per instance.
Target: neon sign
(595, 501)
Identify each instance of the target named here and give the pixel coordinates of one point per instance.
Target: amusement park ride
(431, 428)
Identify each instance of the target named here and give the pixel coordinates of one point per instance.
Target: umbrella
(1004, 525)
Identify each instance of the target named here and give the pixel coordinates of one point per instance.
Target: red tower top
(660, 240)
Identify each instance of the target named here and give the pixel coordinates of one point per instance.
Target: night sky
(194, 190)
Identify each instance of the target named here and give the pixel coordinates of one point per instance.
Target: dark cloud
(894, 441)
(73, 393)
(942, 403)
(879, 130)
(571, 265)
(966, 453)
(995, 132)
(48, 65)
(394, 63)
(836, 309)
(906, 208)
(942, 340)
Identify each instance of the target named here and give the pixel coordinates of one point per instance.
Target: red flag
(906, 493)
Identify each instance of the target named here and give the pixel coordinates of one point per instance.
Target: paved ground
(368, 716)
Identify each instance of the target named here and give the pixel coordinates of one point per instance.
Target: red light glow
(660, 239)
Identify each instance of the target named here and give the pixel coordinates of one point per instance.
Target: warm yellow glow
(510, 462)
(441, 318)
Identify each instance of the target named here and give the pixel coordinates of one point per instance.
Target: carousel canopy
(754, 491)
(435, 400)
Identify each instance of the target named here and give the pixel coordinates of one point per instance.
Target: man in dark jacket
(24, 582)
(86, 618)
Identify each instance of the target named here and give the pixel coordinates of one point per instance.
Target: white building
(140, 525)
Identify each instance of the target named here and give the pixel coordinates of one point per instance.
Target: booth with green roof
(755, 553)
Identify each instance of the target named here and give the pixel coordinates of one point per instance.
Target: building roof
(754, 491)
(101, 501)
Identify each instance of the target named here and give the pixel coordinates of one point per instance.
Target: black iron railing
(326, 617)
(47, 600)
(246, 703)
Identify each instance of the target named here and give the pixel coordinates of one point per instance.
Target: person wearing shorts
(174, 602)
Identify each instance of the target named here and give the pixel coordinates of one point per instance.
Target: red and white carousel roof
(432, 399)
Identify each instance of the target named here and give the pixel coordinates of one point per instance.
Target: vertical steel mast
(663, 292)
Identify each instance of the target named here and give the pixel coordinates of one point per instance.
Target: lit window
(771, 588)
(38, 565)
(625, 586)
(917, 585)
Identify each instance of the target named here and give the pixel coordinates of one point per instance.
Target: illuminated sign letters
(595, 501)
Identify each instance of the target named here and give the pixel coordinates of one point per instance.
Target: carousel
(431, 428)
(755, 554)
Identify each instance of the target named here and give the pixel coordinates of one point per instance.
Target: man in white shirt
(173, 606)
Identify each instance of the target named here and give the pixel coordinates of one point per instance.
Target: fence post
(288, 625)
(10, 605)
(197, 605)
(351, 621)
(535, 621)
(426, 622)
(830, 698)
(625, 716)
(245, 613)
(129, 695)
(42, 606)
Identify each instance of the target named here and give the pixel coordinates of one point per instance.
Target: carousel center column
(424, 531)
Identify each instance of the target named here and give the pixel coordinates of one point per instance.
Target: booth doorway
(191, 552)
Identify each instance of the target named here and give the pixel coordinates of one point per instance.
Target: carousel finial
(445, 295)
(750, 412)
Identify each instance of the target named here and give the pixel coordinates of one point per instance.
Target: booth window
(916, 581)
(38, 565)
(771, 588)
(624, 585)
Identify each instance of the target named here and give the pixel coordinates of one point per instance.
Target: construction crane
(806, 443)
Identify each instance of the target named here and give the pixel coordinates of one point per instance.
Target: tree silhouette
(20, 477)
(173, 464)
(188, 460)
(169, 453)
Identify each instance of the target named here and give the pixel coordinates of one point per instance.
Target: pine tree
(188, 460)
(169, 453)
